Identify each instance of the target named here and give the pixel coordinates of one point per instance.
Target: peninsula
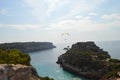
(88, 60)
(27, 46)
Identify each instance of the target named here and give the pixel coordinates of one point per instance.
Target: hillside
(28, 46)
(15, 65)
(88, 60)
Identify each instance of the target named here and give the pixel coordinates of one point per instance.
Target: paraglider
(65, 35)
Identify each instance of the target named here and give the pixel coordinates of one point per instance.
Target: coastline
(28, 46)
(94, 62)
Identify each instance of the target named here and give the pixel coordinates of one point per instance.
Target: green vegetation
(88, 57)
(115, 60)
(27, 46)
(92, 60)
(110, 74)
(14, 56)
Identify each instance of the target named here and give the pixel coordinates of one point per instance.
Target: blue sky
(45, 20)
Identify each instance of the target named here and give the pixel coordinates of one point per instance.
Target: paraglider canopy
(65, 35)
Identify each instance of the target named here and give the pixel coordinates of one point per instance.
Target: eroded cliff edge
(88, 60)
(15, 65)
(17, 72)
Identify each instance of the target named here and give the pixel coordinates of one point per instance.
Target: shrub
(14, 56)
(115, 60)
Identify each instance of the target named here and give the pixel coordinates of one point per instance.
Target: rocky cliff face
(21, 71)
(28, 46)
(17, 72)
(87, 59)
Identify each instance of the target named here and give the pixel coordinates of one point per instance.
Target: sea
(45, 61)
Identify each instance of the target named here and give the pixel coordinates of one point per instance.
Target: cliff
(17, 72)
(28, 46)
(88, 60)
(15, 65)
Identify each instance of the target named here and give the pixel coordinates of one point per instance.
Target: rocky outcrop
(15, 65)
(17, 72)
(28, 46)
(88, 60)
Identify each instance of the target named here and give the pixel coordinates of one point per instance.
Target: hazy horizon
(46, 20)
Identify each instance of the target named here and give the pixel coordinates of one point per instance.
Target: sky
(46, 20)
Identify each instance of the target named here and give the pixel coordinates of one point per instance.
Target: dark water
(45, 61)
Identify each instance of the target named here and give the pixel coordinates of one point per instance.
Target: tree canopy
(14, 56)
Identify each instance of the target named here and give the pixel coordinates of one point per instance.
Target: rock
(88, 60)
(17, 72)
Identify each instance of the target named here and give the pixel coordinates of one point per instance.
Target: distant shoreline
(28, 46)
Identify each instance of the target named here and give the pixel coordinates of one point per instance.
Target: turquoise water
(45, 61)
